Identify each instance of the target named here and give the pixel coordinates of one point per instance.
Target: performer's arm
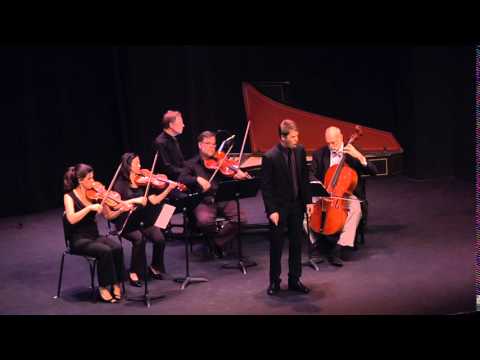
(188, 177)
(314, 173)
(171, 170)
(73, 216)
(365, 166)
(267, 186)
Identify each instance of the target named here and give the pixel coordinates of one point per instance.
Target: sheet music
(165, 216)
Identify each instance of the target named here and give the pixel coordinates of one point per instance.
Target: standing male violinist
(286, 194)
(322, 159)
(196, 172)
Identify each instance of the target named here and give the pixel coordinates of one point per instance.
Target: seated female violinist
(196, 175)
(147, 211)
(83, 231)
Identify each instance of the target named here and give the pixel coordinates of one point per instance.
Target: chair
(92, 262)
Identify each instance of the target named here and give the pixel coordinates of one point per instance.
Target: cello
(330, 213)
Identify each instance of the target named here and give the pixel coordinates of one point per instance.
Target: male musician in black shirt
(286, 193)
(170, 157)
(196, 176)
(322, 160)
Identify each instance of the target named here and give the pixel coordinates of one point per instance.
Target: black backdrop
(63, 105)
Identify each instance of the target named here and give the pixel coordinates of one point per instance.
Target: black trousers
(109, 255)
(139, 252)
(205, 214)
(327, 243)
(289, 226)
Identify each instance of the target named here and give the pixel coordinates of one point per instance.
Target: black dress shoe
(298, 286)
(335, 261)
(218, 252)
(334, 257)
(274, 288)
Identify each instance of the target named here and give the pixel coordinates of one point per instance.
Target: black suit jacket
(321, 163)
(276, 182)
(170, 157)
(195, 167)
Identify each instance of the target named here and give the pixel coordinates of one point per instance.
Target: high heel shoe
(110, 301)
(117, 297)
(153, 275)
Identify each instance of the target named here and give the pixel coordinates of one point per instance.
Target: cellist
(322, 160)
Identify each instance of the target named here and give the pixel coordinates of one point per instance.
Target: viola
(159, 181)
(98, 192)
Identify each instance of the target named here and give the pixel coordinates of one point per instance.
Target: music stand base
(242, 265)
(312, 262)
(147, 299)
(187, 280)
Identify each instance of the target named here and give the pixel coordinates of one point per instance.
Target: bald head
(333, 137)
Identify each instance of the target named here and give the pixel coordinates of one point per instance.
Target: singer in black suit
(286, 193)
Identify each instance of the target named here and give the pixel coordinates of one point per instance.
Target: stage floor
(418, 259)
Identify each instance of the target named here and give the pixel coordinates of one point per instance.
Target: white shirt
(335, 158)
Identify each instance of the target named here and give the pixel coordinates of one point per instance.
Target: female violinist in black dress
(147, 211)
(82, 230)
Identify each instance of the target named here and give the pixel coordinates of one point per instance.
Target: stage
(418, 259)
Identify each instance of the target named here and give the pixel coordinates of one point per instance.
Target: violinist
(82, 229)
(196, 174)
(322, 159)
(147, 209)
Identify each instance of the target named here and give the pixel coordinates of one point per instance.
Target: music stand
(236, 190)
(190, 201)
(317, 189)
(146, 298)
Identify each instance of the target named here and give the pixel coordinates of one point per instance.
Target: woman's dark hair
(73, 174)
(127, 165)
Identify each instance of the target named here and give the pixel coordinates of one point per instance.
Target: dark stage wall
(66, 105)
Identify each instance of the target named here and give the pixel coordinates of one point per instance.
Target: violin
(228, 167)
(159, 181)
(98, 193)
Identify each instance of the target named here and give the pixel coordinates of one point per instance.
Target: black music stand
(317, 189)
(236, 190)
(146, 296)
(190, 201)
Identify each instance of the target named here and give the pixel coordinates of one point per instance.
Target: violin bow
(243, 144)
(111, 184)
(144, 195)
(151, 176)
(220, 163)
